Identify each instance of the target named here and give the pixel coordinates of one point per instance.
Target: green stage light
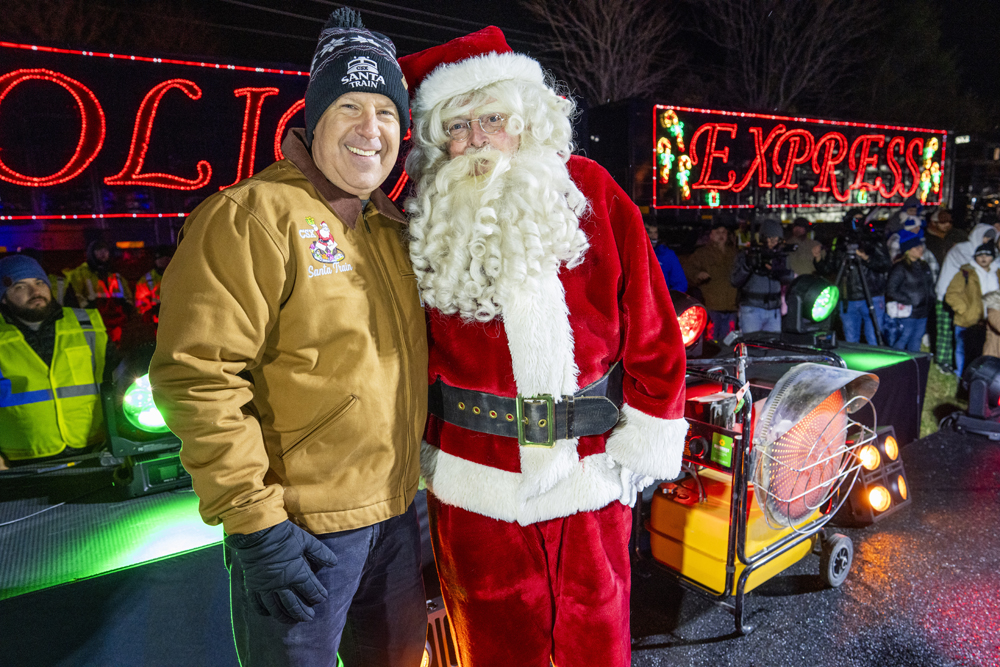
(811, 301)
(139, 409)
(825, 303)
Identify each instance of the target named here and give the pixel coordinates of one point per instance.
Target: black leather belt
(536, 421)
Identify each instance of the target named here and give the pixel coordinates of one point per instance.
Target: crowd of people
(61, 335)
(909, 282)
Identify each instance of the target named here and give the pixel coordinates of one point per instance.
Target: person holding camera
(758, 273)
(866, 261)
(909, 293)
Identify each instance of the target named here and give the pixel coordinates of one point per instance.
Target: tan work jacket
(292, 355)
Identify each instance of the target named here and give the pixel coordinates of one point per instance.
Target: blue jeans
(722, 322)
(909, 332)
(754, 319)
(375, 615)
(968, 345)
(854, 315)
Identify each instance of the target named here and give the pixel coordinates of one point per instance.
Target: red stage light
(130, 173)
(692, 323)
(92, 126)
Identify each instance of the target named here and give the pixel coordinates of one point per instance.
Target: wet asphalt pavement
(924, 589)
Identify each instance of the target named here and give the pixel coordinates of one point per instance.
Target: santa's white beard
(477, 239)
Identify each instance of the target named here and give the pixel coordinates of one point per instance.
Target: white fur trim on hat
(453, 79)
(593, 483)
(648, 445)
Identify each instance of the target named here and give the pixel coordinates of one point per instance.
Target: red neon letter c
(92, 127)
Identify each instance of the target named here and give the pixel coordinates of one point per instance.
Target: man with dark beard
(51, 362)
(547, 314)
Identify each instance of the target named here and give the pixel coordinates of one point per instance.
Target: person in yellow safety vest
(147, 290)
(52, 360)
(94, 284)
(94, 279)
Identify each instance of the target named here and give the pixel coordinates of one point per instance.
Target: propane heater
(706, 528)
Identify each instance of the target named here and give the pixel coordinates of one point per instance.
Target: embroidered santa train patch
(324, 248)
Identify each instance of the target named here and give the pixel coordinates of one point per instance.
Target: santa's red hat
(463, 65)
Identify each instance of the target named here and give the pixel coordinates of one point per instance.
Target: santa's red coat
(619, 311)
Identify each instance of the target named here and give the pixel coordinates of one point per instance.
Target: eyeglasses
(460, 129)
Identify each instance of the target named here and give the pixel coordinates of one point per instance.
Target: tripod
(851, 259)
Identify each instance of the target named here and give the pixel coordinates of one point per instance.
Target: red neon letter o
(92, 127)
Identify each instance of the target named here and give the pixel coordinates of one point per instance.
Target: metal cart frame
(736, 544)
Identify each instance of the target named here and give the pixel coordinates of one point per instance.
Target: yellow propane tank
(691, 537)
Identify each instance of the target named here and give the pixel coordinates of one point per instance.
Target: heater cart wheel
(835, 559)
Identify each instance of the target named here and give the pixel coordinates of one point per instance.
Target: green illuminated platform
(92, 533)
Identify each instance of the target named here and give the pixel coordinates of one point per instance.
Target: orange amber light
(879, 498)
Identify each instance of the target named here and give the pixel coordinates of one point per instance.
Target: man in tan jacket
(708, 269)
(292, 363)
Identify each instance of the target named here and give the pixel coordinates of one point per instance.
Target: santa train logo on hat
(362, 73)
(324, 248)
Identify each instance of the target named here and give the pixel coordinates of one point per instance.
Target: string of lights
(474, 24)
(394, 17)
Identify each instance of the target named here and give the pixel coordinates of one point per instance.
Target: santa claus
(556, 363)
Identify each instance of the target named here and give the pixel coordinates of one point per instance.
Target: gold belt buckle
(549, 421)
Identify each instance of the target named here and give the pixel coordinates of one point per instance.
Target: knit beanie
(908, 239)
(988, 248)
(19, 267)
(351, 58)
(770, 229)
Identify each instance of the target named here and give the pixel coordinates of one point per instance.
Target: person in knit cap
(759, 273)
(802, 260)
(556, 362)
(296, 376)
(909, 293)
(709, 267)
(965, 297)
(52, 360)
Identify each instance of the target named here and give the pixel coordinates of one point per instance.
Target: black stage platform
(923, 593)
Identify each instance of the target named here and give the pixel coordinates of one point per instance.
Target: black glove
(277, 570)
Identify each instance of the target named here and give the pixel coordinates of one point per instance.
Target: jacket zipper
(404, 359)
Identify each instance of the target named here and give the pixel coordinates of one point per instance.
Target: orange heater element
(805, 463)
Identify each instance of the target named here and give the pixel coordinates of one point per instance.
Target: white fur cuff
(648, 445)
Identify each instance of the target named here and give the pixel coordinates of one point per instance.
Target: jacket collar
(346, 206)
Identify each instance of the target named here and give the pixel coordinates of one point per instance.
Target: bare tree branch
(143, 26)
(781, 52)
(610, 49)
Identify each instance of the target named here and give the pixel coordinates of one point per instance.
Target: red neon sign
(92, 127)
(146, 141)
(784, 161)
(130, 173)
(251, 118)
(282, 124)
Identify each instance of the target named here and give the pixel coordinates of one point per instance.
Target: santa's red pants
(522, 595)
